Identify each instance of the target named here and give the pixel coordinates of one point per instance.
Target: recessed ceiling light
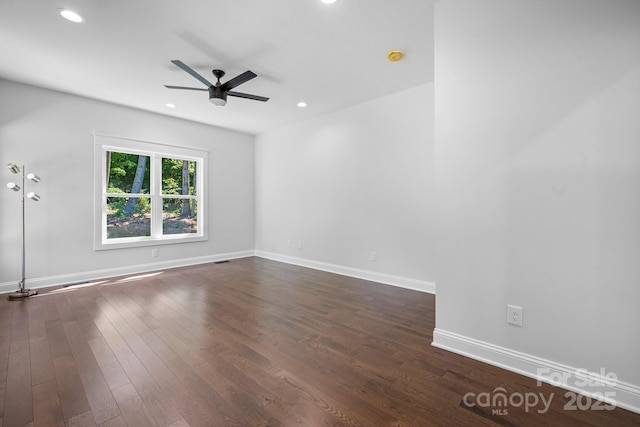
(302, 104)
(70, 15)
(170, 105)
(328, 1)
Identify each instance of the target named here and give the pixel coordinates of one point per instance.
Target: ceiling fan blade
(188, 69)
(248, 96)
(184, 87)
(238, 80)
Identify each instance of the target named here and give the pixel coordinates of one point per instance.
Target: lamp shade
(13, 186)
(33, 177)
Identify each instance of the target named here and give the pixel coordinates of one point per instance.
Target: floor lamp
(22, 292)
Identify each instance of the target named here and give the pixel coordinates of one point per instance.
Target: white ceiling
(330, 56)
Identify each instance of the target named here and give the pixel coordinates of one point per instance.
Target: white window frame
(155, 151)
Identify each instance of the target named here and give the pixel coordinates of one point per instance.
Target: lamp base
(25, 293)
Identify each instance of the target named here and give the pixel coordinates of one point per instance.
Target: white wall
(51, 133)
(537, 107)
(349, 183)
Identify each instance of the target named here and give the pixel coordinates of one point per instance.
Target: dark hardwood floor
(251, 342)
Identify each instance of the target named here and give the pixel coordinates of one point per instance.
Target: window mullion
(156, 197)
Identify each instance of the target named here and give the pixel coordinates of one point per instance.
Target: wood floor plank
(73, 397)
(159, 404)
(41, 361)
(118, 302)
(36, 320)
(58, 345)
(64, 308)
(18, 401)
(134, 410)
(98, 394)
(101, 351)
(206, 397)
(229, 388)
(333, 406)
(251, 342)
(192, 412)
(160, 373)
(114, 422)
(47, 410)
(88, 328)
(114, 375)
(19, 329)
(172, 320)
(81, 420)
(2, 400)
(179, 423)
(159, 347)
(48, 307)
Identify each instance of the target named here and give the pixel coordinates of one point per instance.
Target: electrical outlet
(514, 315)
(154, 253)
(288, 243)
(374, 256)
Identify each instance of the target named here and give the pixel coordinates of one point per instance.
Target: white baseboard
(592, 384)
(64, 279)
(387, 279)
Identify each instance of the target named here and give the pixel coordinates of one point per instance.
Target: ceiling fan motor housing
(217, 96)
(218, 92)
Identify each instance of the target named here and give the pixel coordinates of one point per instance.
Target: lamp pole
(22, 292)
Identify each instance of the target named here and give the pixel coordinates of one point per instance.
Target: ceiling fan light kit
(218, 92)
(218, 102)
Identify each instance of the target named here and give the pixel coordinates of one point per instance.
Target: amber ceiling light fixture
(395, 55)
(22, 292)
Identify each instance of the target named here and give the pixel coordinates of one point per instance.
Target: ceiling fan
(218, 92)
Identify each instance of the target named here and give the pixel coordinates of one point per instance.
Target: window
(149, 194)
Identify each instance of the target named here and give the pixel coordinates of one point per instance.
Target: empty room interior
(320, 213)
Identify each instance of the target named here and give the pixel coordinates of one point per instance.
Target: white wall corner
(373, 276)
(596, 385)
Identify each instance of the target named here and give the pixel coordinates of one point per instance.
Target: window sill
(136, 242)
